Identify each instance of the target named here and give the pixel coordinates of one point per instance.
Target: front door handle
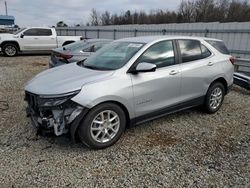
(210, 64)
(174, 72)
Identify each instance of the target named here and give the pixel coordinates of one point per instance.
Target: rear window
(219, 45)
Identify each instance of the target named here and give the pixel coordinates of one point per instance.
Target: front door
(154, 91)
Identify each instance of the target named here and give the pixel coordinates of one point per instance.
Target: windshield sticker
(134, 45)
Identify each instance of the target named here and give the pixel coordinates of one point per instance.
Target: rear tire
(214, 97)
(102, 126)
(10, 50)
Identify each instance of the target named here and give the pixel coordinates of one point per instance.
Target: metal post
(164, 32)
(135, 32)
(206, 32)
(98, 33)
(6, 8)
(85, 33)
(114, 34)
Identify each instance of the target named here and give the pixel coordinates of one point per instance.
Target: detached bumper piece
(242, 80)
(54, 119)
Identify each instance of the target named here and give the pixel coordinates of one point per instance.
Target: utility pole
(6, 8)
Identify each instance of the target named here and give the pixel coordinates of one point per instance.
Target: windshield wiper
(91, 67)
(94, 67)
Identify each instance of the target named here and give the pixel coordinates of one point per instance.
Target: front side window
(31, 32)
(190, 50)
(161, 54)
(112, 56)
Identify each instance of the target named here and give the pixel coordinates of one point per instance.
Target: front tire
(102, 126)
(10, 50)
(214, 97)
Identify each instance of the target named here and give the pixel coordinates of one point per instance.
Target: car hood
(6, 36)
(64, 79)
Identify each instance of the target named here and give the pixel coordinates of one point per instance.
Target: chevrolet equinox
(127, 82)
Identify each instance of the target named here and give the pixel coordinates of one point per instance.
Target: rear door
(154, 91)
(198, 68)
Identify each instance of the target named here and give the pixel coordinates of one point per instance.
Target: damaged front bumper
(56, 118)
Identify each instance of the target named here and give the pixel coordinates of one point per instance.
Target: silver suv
(129, 81)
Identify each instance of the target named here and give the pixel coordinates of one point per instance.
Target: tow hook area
(54, 120)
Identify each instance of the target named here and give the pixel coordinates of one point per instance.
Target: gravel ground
(185, 149)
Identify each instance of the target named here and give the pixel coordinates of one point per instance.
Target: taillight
(64, 56)
(232, 60)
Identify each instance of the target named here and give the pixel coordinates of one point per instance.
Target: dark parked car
(76, 51)
(242, 79)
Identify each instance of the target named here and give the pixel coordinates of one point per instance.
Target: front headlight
(55, 100)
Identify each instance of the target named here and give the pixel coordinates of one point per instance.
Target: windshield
(113, 56)
(19, 31)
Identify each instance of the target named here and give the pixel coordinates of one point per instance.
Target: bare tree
(222, 9)
(106, 18)
(94, 17)
(238, 11)
(187, 11)
(204, 10)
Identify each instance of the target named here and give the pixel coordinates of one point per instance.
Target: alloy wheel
(215, 98)
(105, 126)
(10, 50)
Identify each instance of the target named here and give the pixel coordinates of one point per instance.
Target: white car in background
(33, 39)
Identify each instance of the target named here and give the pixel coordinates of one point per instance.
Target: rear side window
(219, 45)
(190, 50)
(44, 32)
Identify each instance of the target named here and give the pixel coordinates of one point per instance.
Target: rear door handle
(174, 72)
(36, 38)
(210, 64)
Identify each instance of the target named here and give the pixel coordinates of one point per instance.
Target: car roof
(149, 39)
(97, 40)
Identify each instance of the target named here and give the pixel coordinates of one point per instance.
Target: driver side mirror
(22, 35)
(144, 67)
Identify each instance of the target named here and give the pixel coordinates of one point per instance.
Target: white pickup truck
(33, 39)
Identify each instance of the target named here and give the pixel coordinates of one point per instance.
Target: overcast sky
(49, 12)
